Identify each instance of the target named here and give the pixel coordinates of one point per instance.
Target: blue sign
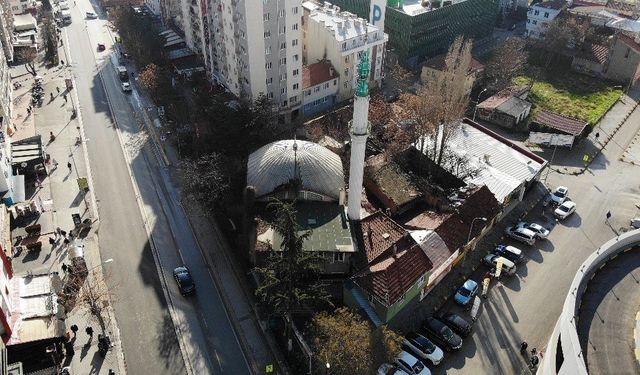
(377, 14)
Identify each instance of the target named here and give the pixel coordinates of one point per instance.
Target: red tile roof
(479, 203)
(317, 73)
(597, 53)
(379, 235)
(564, 124)
(502, 96)
(438, 63)
(390, 278)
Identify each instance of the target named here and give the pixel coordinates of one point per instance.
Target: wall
(538, 20)
(410, 295)
(310, 95)
(622, 68)
(430, 74)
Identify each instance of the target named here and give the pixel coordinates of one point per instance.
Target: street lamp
(101, 264)
(328, 367)
(476, 107)
(471, 229)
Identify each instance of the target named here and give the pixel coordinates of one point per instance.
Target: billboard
(376, 13)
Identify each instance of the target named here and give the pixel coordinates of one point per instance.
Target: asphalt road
(124, 186)
(526, 307)
(608, 316)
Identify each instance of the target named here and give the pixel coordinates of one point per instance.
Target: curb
(636, 335)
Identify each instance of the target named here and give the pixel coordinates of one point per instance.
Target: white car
(564, 210)
(521, 234)
(560, 195)
(423, 348)
(387, 369)
(539, 230)
(126, 87)
(91, 15)
(63, 5)
(411, 365)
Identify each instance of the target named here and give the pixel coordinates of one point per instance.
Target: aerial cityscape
(298, 187)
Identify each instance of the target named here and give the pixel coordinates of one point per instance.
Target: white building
(6, 29)
(20, 6)
(340, 37)
(6, 273)
(154, 7)
(6, 107)
(252, 47)
(540, 15)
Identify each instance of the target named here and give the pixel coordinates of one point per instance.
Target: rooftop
(433, 245)
(556, 121)
(415, 7)
(344, 25)
(389, 178)
(439, 63)
(317, 73)
(379, 234)
(514, 106)
(597, 53)
(553, 4)
(328, 225)
(502, 96)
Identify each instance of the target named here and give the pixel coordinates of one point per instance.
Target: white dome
(273, 165)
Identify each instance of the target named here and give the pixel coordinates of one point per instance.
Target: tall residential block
(419, 29)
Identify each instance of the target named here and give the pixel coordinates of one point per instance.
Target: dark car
(184, 280)
(457, 323)
(441, 334)
(510, 252)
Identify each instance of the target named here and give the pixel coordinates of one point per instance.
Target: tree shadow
(168, 343)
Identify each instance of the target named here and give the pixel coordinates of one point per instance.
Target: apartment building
(540, 15)
(252, 47)
(6, 29)
(339, 37)
(6, 107)
(21, 6)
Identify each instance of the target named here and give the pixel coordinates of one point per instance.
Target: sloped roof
(433, 245)
(390, 278)
(274, 165)
(629, 41)
(597, 53)
(502, 96)
(453, 231)
(556, 121)
(479, 203)
(315, 74)
(514, 106)
(379, 235)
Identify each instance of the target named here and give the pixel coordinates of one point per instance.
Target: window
(267, 50)
(283, 90)
(536, 12)
(295, 58)
(344, 46)
(294, 10)
(269, 80)
(346, 85)
(283, 45)
(283, 76)
(316, 89)
(295, 72)
(307, 93)
(266, 16)
(281, 12)
(267, 34)
(293, 99)
(335, 82)
(346, 60)
(270, 95)
(546, 14)
(267, 66)
(422, 279)
(626, 54)
(535, 22)
(326, 85)
(294, 42)
(338, 257)
(346, 72)
(283, 61)
(283, 30)
(295, 86)
(294, 27)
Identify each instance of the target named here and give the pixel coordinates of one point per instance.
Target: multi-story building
(540, 15)
(6, 107)
(320, 85)
(339, 38)
(421, 29)
(6, 28)
(254, 48)
(21, 6)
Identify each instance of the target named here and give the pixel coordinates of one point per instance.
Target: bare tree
(435, 111)
(93, 293)
(508, 60)
(562, 33)
(28, 56)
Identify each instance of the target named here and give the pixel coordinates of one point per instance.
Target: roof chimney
(395, 251)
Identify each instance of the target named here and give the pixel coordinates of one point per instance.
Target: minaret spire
(359, 129)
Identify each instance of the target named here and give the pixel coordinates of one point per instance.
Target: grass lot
(573, 95)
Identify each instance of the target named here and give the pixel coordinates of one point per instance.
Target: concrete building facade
(320, 85)
(624, 60)
(6, 108)
(540, 15)
(340, 37)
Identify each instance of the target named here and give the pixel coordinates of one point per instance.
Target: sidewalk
(60, 197)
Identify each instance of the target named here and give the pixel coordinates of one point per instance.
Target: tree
(50, 41)
(155, 80)
(28, 57)
(508, 60)
(433, 114)
(562, 33)
(205, 179)
(290, 279)
(91, 292)
(367, 349)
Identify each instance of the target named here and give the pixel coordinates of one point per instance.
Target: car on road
(560, 195)
(539, 230)
(564, 210)
(388, 369)
(523, 235)
(510, 252)
(456, 323)
(91, 15)
(423, 348)
(467, 291)
(184, 280)
(408, 363)
(101, 47)
(63, 5)
(441, 334)
(508, 266)
(126, 87)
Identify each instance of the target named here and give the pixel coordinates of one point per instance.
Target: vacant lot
(573, 95)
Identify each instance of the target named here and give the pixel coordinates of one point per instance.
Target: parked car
(510, 252)
(101, 47)
(388, 369)
(91, 15)
(467, 291)
(560, 195)
(184, 280)
(564, 210)
(126, 87)
(539, 230)
(408, 363)
(456, 323)
(423, 348)
(523, 235)
(441, 334)
(508, 266)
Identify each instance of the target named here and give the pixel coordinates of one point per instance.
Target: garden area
(572, 94)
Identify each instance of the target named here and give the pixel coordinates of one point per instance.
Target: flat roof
(344, 24)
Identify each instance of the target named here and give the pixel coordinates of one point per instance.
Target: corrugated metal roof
(273, 165)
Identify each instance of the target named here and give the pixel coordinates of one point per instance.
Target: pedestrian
(534, 352)
(523, 347)
(51, 96)
(74, 329)
(62, 62)
(58, 230)
(66, 242)
(58, 89)
(52, 241)
(65, 268)
(29, 109)
(55, 166)
(63, 233)
(89, 331)
(534, 362)
(65, 97)
(69, 166)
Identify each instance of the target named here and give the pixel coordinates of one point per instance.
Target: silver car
(539, 230)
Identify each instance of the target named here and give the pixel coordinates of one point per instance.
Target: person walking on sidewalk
(52, 242)
(74, 329)
(58, 89)
(89, 331)
(69, 166)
